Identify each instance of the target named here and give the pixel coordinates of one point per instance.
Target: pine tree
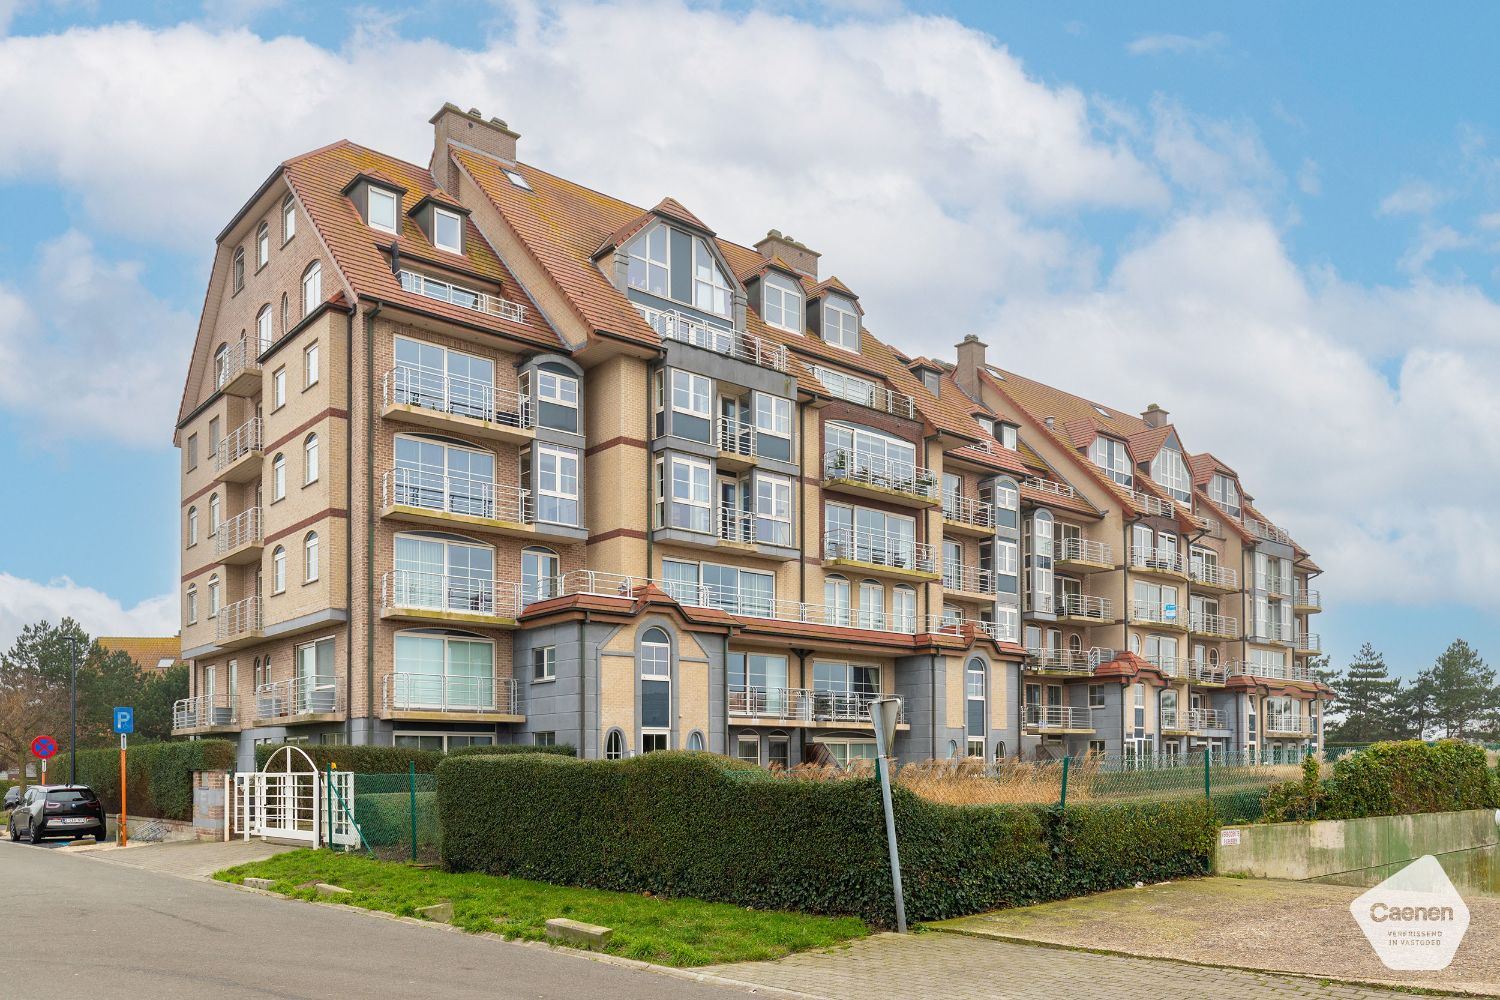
(1367, 699)
(1458, 694)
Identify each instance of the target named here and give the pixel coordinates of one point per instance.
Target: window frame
(691, 385)
(312, 287)
(262, 245)
(310, 459)
(278, 570)
(278, 477)
(238, 272)
(288, 218)
(773, 413)
(563, 456)
(311, 365)
(557, 392)
(786, 289)
(835, 304)
(310, 557)
(394, 199)
(543, 664)
(458, 221)
(278, 388)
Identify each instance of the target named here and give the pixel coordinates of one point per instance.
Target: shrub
(1389, 779)
(1296, 800)
(693, 824)
(502, 749)
(159, 776)
(393, 760)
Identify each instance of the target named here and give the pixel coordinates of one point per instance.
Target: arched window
(974, 714)
(278, 570)
(999, 750)
(1135, 644)
(1040, 582)
(215, 508)
(221, 366)
(1075, 643)
(836, 600)
(239, 268)
(656, 690)
(278, 477)
(310, 555)
(263, 332)
(1007, 503)
(192, 603)
(262, 245)
(213, 596)
(286, 313)
(288, 218)
(614, 745)
(192, 526)
(310, 459)
(312, 287)
(695, 740)
(541, 575)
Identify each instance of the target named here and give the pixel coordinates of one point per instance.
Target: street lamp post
(73, 702)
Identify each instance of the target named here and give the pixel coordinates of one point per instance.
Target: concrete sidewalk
(190, 859)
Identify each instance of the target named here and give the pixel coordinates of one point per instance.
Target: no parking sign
(44, 747)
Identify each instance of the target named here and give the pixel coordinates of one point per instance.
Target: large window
(688, 493)
(870, 536)
(1039, 554)
(541, 575)
(1223, 491)
(437, 476)
(553, 387)
(836, 600)
(1171, 474)
(773, 509)
(841, 323)
(738, 591)
(773, 415)
(382, 208)
(843, 691)
(441, 670)
(974, 691)
(903, 609)
(444, 575)
(850, 387)
(556, 484)
(781, 302)
(1111, 455)
(656, 690)
(691, 394)
(871, 613)
(436, 378)
(648, 268)
(710, 288)
(760, 681)
(865, 454)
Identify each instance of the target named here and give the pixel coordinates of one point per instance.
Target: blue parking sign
(124, 720)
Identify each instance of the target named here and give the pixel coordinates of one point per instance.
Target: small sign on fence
(1229, 838)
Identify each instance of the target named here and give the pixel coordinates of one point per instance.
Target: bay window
(684, 488)
(556, 477)
(773, 509)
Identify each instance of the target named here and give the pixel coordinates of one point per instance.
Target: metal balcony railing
(736, 526)
(738, 437)
(241, 356)
(242, 529)
(1222, 626)
(436, 390)
(879, 548)
(1150, 504)
(451, 494)
(967, 510)
(950, 625)
(305, 695)
(458, 295)
(1058, 717)
(1155, 612)
(1083, 606)
(863, 392)
(970, 579)
(1281, 722)
(1266, 530)
(1159, 560)
(458, 693)
(1275, 671)
(1049, 486)
(1308, 598)
(205, 710)
(1083, 550)
(239, 619)
(673, 325)
(1068, 661)
(1193, 719)
(884, 473)
(1307, 642)
(465, 595)
(784, 704)
(1214, 575)
(1197, 671)
(242, 441)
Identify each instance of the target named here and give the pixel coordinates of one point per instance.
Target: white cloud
(1171, 44)
(1412, 197)
(86, 351)
(25, 602)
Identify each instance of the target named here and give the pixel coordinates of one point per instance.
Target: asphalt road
(75, 926)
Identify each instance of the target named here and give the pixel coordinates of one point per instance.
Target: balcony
(464, 298)
(879, 552)
(1267, 531)
(1288, 724)
(436, 697)
(1192, 671)
(1058, 719)
(1193, 720)
(879, 478)
(1282, 671)
(1051, 487)
(239, 540)
(1307, 642)
(1083, 608)
(1066, 661)
(410, 595)
(967, 516)
(1217, 626)
(969, 581)
(744, 530)
(673, 325)
(1083, 555)
(862, 392)
(1307, 602)
(1162, 562)
(239, 624)
(429, 397)
(1209, 576)
(299, 699)
(1154, 506)
(237, 458)
(237, 370)
(449, 501)
(960, 626)
(1157, 613)
(805, 706)
(205, 713)
(739, 444)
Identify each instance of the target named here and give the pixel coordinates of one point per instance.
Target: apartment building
(472, 453)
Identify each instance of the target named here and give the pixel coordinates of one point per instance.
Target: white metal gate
(290, 799)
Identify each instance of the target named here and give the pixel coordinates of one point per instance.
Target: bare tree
(34, 688)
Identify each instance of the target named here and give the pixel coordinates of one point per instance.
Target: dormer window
(648, 262)
(1007, 435)
(781, 303)
(987, 423)
(699, 281)
(447, 231)
(1223, 491)
(381, 208)
(1171, 474)
(710, 289)
(1112, 456)
(841, 323)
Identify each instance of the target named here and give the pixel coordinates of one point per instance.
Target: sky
(1279, 221)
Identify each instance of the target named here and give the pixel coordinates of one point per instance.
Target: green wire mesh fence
(396, 815)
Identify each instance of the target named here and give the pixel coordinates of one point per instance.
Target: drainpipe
(348, 521)
(932, 679)
(583, 668)
(650, 458)
(369, 406)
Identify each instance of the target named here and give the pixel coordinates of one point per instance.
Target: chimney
(1155, 416)
(796, 254)
(471, 130)
(970, 363)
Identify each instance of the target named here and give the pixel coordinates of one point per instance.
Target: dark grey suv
(72, 811)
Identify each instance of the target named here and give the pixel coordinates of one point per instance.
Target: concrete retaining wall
(1329, 847)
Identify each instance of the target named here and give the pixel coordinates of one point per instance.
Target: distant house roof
(152, 653)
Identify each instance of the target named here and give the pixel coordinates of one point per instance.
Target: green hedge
(159, 776)
(393, 760)
(693, 824)
(1391, 779)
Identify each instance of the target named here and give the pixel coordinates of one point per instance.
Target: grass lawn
(680, 932)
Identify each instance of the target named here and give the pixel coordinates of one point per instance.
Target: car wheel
(31, 837)
(14, 833)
